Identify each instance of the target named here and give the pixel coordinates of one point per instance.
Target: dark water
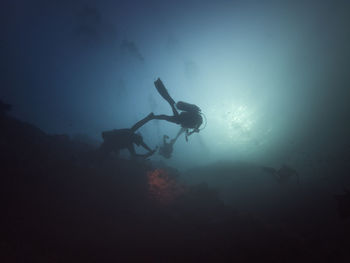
(267, 179)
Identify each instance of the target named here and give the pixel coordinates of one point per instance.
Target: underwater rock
(59, 204)
(283, 174)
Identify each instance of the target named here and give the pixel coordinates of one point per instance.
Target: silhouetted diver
(189, 118)
(167, 148)
(117, 139)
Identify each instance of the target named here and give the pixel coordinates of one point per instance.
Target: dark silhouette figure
(189, 118)
(167, 148)
(118, 139)
(343, 204)
(283, 174)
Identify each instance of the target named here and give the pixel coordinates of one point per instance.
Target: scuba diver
(189, 118)
(118, 139)
(167, 148)
(283, 174)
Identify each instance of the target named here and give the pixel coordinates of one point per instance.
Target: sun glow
(237, 122)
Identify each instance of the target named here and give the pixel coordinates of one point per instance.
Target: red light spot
(163, 187)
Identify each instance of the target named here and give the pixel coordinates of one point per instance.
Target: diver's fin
(163, 91)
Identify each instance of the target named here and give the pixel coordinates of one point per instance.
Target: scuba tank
(184, 106)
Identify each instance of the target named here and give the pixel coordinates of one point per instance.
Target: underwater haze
(266, 178)
(270, 77)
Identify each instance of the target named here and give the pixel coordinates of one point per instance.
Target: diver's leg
(168, 118)
(142, 122)
(175, 112)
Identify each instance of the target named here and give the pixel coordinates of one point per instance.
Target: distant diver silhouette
(189, 118)
(283, 174)
(118, 139)
(167, 148)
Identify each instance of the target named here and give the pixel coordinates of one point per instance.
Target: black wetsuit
(116, 140)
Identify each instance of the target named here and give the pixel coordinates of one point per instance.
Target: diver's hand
(151, 152)
(193, 131)
(155, 150)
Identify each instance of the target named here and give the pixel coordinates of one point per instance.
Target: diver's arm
(134, 154)
(145, 146)
(181, 131)
(150, 152)
(193, 131)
